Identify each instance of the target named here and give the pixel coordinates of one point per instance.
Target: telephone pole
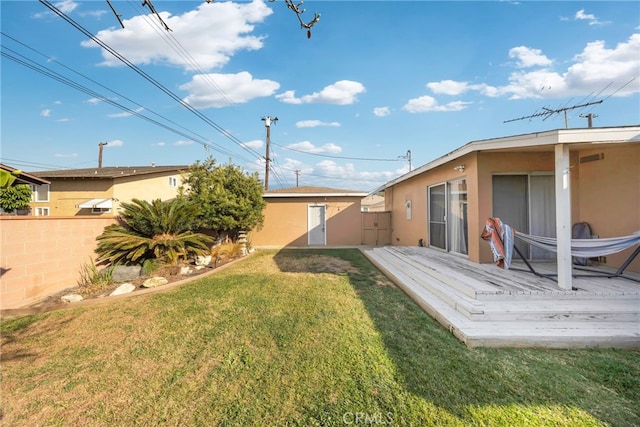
(101, 147)
(407, 157)
(297, 171)
(267, 123)
(589, 118)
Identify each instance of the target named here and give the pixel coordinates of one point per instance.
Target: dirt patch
(172, 274)
(316, 264)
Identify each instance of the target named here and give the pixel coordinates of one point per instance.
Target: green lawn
(294, 338)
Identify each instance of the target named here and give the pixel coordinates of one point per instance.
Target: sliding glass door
(527, 203)
(448, 224)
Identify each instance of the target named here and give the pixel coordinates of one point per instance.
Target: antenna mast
(549, 112)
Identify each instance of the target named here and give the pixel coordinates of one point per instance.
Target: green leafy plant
(7, 178)
(15, 197)
(156, 230)
(230, 199)
(93, 279)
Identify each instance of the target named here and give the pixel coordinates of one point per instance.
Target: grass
(294, 338)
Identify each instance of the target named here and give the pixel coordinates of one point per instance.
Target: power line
(338, 157)
(147, 77)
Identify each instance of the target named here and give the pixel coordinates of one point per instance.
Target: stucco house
(100, 191)
(540, 183)
(310, 216)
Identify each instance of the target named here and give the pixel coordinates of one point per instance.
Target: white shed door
(317, 227)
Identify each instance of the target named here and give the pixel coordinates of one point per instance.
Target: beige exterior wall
(42, 256)
(285, 222)
(66, 194)
(604, 193)
(156, 186)
(608, 197)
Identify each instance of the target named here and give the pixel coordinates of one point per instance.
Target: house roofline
(605, 135)
(25, 178)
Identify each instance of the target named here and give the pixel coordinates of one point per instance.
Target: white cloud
(220, 90)
(65, 6)
(426, 103)
(159, 144)
(68, 156)
(528, 57)
(448, 87)
(45, 113)
(211, 34)
(315, 123)
(63, 120)
(343, 92)
(255, 144)
(582, 16)
(125, 113)
(381, 111)
(183, 142)
(592, 70)
(114, 143)
(93, 101)
(308, 147)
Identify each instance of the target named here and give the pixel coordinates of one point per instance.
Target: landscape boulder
(125, 288)
(154, 282)
(71, 298)
(125, 273)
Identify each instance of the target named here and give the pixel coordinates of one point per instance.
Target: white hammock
(586, 248)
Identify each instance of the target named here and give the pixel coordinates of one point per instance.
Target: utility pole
(297, 171)
(407, 157)
(267, 123)
(101, 147)
(589, 118)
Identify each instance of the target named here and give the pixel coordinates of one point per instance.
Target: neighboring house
(96, 191)
(28, 179)
(310, 216)
(540, 183)
(373, 203)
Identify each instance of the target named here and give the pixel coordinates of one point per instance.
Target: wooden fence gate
(376, 228)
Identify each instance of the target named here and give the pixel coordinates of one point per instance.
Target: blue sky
(375, 80)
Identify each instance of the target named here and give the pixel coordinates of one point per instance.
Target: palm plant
(153, 230)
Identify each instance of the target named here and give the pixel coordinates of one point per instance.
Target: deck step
(555, 319)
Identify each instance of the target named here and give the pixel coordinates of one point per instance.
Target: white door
(317, 227)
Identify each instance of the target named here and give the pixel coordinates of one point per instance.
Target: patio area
(485, 306)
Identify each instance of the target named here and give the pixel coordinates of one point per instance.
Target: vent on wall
(592, 158)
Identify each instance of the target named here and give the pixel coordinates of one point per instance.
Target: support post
(267, 123)
(563, 215)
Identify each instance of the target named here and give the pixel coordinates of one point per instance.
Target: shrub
(92, 279)
(160, 231)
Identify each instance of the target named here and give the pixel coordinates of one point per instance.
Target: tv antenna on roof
(548, 112)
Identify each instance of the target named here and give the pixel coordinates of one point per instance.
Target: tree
(15, 197)
(7, 178)
(158, 230)
(230, 199)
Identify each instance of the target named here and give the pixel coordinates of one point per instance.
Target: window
(100, 210)
(173, 181)
(408, 210)
(40, 193)
(42, 211)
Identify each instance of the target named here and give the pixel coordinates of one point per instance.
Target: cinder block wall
(40, 256)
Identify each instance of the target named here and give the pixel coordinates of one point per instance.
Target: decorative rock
(242, 239)
(186, 270)
(124, 273)
(125, 288)
(199, 267)
(154, 282)
(71, 298)
(203, 260)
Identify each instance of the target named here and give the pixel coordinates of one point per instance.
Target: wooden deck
(485, 306)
